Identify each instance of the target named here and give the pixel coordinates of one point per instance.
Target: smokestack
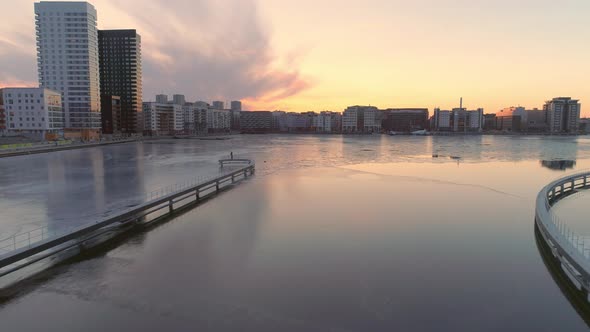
(461, 103)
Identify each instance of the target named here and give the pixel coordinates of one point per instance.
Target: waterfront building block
(361, 119)
(563, 115)
(121, 74)
(67, 59)
(34, 112)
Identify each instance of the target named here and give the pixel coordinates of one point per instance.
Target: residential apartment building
(235, 114)
(441, 120)
(584, 126)
(519, 119)
(200, 116)
(279, 121)
(162, 99)
(467, 121)
(489, 122)
(327, 122)
(162, 119)
(235, 119)
(121, 75)
(536, 120)
(188, 118)
(178, 99)
(3, 130)
(202, 104)
(459, 120)
(218, 105)
(361, 119)
(404, 119)
(67, 59)
(512, 119)
(218, 120)
(35, 112)
(236, 105)
(563, 115)
(110, 114)
(299, 122)
(256, 122)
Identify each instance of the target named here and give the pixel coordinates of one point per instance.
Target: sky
(310, 55)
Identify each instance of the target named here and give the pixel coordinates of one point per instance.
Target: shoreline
(49, 149)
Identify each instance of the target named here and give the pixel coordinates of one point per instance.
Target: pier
(570, 249)
(24, 249)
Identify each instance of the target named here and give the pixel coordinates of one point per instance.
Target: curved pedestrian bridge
(571, 249)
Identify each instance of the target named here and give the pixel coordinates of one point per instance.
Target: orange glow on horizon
(299, 56)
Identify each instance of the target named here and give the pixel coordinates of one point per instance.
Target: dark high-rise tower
(120, 74)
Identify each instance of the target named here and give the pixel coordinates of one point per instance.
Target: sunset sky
(324, 55)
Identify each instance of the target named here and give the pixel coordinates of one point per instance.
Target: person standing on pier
(231, 155)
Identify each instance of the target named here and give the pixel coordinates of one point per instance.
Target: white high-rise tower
(67, 59)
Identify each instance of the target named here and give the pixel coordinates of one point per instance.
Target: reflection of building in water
(558, 164)
(577, 298)
(368, 148)
(89, 184)
(563, 148)
(461, 147)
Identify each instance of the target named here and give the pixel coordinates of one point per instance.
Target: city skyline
(423, 54)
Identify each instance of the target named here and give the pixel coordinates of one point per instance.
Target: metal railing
(580, 243)
(180, 186)
(25, 239)
(561, 189)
